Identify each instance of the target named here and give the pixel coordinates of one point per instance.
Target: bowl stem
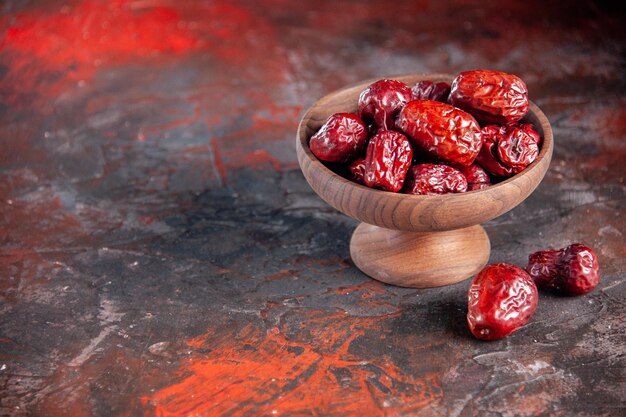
(419, 260)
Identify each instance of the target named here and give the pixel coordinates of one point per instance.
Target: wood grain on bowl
(419, 259)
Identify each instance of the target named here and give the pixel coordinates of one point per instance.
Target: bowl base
(419, 260)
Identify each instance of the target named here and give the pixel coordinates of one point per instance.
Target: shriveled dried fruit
(388, 158)
(518, 148)
(477, 178)
(530, 130)
(434, 179)
(357, 170)
(573, 270)
(437, 131)
(543, 267)
(382, 100)
(579, 270)
(501, 299)
(488, 157)
(441, 130)
(428, 90)
(490, 96)
(340, 139)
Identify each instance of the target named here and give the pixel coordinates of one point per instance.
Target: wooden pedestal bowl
(416, 240)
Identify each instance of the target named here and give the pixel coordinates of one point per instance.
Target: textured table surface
(162, 255)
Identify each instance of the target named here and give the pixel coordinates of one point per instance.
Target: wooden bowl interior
(417, 213)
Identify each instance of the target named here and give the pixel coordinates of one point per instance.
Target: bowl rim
(545, 151)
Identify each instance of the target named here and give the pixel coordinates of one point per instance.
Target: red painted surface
(274, 374)
(92, 33)
(149, 193)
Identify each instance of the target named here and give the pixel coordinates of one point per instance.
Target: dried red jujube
(340, 139)
(529, 129)
(477, 178)
(501, 299)
(387, 160)
(357, 170)
(488, 155)
(428, 90)
(442, 130)
(543, 267)
(381, 101)
(434, 179)
(579, 270)
(518, 148)
(438, 132)
(490, 96)
(507, 150)
(573, 270)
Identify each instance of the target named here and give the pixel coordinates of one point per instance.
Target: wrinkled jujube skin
(387, 160)
(490, 96)
(477, 178)
(530, 130)
(579, 270)
(434, 179)
(381, 101)
(501, 299)
(340, 139)
(573, 270)
(357, 170)
(518, 148)
(428, 90)
(543, 267)
(488, 157)
(507, 150)
(442, 130)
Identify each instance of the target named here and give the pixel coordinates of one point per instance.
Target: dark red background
(162, 255)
